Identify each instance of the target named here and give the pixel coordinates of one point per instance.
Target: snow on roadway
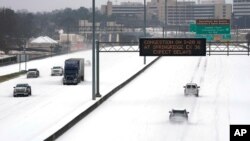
(140, 111)
(53, 104)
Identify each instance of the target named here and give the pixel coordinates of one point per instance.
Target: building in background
(212, 11)
(124, 9)
(241, 14)
(176, 12)
(212, 1)
(105, 30)
(71, 42)
(132, 13)
(171, 15)
(241, 8)
(183, 12)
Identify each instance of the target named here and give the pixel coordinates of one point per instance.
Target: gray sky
(49, 5)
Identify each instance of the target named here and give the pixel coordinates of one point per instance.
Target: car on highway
(33, 73)
(191, 89)
(22, 89)
(57, 70)
(178, 115)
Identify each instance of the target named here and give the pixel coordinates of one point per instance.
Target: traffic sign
(208, 37)
(192, 27)
(214, 37)
(212, 29)
(172, 47)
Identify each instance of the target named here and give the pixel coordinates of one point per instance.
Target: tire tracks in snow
(199, 75)
(217, 95)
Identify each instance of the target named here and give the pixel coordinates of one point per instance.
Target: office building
(241, 8)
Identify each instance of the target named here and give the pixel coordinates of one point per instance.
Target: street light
(176, 18)
(145, 34)
(165, 22)
(94, 94)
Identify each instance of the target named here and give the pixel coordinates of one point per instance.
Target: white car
(33, 73)
(57, 70)
(191, 89)
(178, 115)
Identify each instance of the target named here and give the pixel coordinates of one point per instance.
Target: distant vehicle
(178, 115)
(57, 70)
(22, 89)
(87, 63)
(191, 89)
(73, 71)
(33, 73)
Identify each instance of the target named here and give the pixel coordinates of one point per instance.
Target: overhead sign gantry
(172, 47)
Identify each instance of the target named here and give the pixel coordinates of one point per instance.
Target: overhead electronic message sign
(172, 47)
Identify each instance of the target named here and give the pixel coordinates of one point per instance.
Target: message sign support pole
(97, 70)
(227, 50)
(93, 51)
(209, 46)
(248, 48)
(144, 29)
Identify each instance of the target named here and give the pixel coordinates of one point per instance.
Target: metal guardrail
(118, 46)
(228, 48)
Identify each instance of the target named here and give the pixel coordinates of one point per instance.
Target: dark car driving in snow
(22, 90)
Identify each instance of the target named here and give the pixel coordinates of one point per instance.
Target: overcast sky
(49, 5)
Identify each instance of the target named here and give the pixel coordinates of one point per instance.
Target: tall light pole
(93, 51)
(176, 17)
(165, 22)
(144, 29)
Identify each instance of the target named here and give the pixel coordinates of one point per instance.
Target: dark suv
(22, 89)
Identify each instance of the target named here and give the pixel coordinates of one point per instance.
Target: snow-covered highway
(52, 104)
(140, 111)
